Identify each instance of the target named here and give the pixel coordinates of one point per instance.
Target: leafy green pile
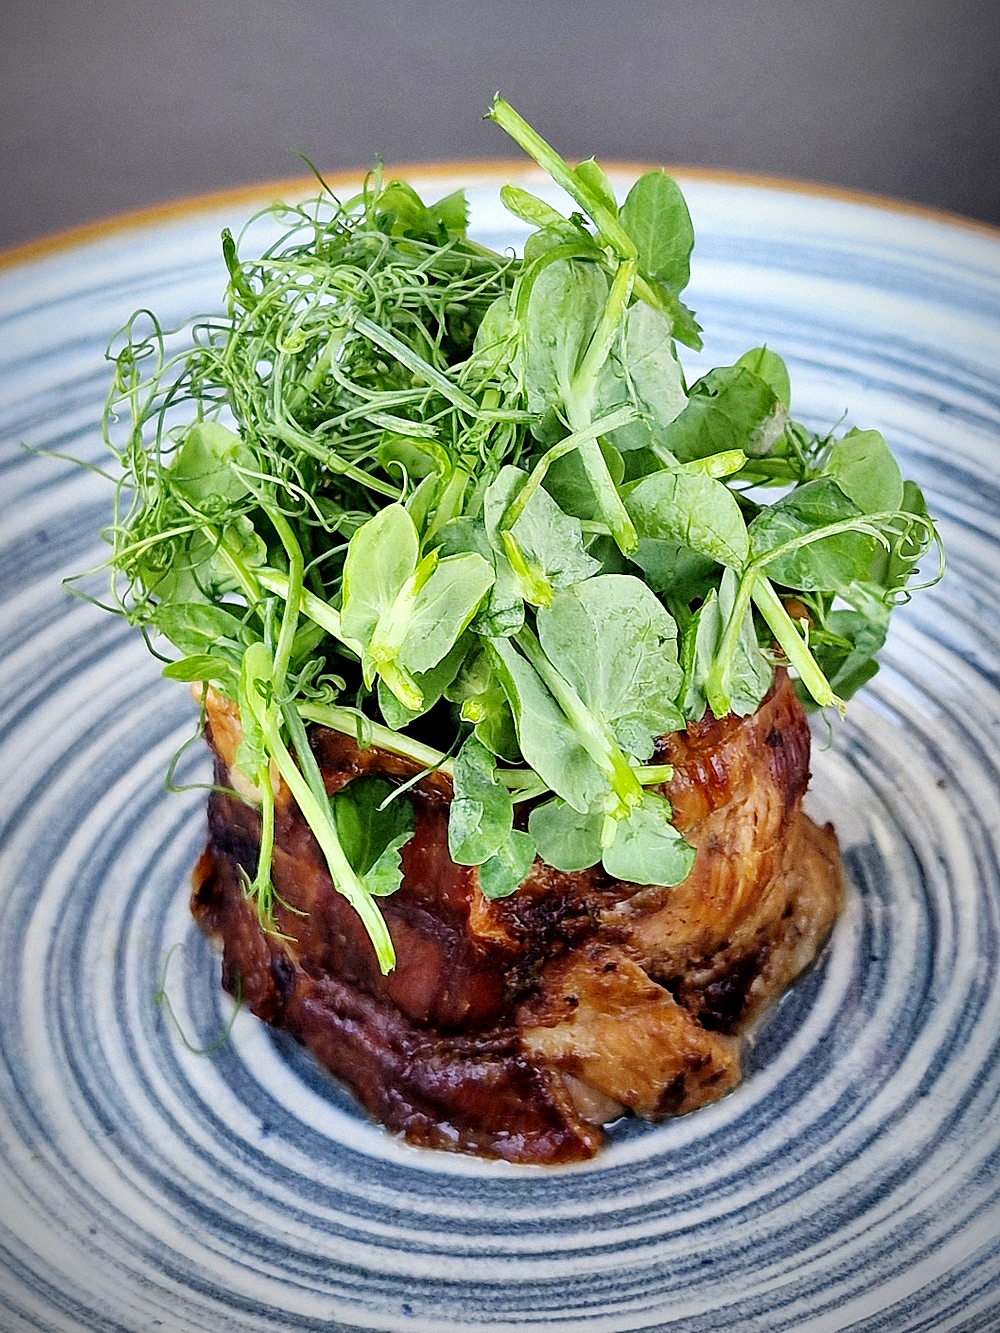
(466, 506)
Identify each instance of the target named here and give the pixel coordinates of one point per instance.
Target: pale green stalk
(608, 225)
(594, 738)
(293, 594)
(407, 357)
(369, 733)
(579, 402)
(621, 416)
(717, 681)
(792, 644)
(311, 606)
(261, 888)
(345, 878)
(546, 156)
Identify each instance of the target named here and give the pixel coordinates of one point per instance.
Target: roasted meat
(515, 1028)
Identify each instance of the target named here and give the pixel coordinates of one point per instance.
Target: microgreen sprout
(467, 508)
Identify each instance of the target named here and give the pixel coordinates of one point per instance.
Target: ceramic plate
(852, 1181)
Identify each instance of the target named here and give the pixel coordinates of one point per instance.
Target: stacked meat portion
(516, 1028)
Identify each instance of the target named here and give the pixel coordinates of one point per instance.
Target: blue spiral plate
(160, 1171)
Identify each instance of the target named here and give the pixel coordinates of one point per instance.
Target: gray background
(109, 105)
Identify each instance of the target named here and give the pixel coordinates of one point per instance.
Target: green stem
(534, 586)
(579, 397)
(603, 338)
(249, 586)
(133, 549)
(293, 596)
(792, 644)
(607, 223)
(524, 781)
(605, 491)
(594, 738)
(317, 815)
(311, 606)
(288, 433)
(520, 794)
(610, 230)
(621, 416)
(869, 525)
(449, 506)
(414, 363)
(315, 376)
(390, 631)
(717, 682)
(261, 889)
(353, 723)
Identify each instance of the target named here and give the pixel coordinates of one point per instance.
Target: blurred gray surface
(108, 105)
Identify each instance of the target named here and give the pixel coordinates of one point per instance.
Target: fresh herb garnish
(468, 507)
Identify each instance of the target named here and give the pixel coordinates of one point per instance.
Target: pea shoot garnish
(468, 507)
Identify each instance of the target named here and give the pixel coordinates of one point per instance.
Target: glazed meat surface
(515, 1028)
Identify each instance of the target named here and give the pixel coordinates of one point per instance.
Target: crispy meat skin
(513, 1028)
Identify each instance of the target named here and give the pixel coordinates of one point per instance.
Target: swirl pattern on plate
(158, 1170)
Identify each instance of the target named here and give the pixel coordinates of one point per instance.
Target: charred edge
(723, 1002)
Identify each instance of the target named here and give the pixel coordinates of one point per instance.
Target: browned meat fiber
(516, 1028)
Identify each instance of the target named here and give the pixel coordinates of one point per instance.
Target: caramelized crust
(765, 886)
(513, 1028)
(596, 1001)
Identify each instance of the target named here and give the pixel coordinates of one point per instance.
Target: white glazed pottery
(851, 1182)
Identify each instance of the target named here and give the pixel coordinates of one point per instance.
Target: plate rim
(484, 170)
(194, 213)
